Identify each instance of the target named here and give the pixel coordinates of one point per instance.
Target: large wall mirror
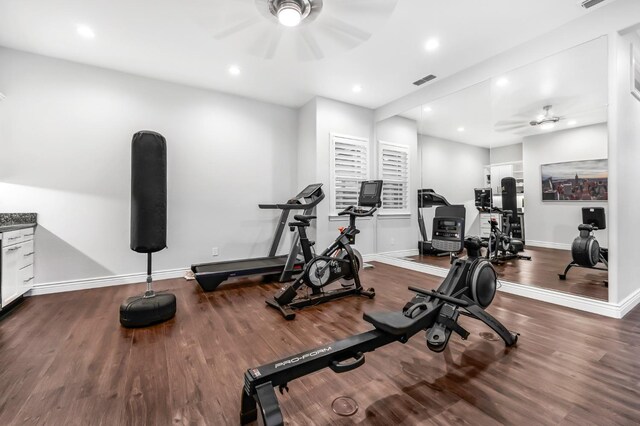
(525, 155)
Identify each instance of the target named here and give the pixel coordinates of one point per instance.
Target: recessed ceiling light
(234, 70)
(461, 129)
(432, 44)
(427, 109)
(502, 82)
(357, 88)
(547, 126)
(85, 31)
(572, 123)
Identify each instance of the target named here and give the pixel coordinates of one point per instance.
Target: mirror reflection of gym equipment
(500, 136)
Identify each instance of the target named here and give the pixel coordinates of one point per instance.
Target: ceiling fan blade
(342, 27)
(236, 28)
(511, 122)
(511, 128)
(272, 46)
(312, 44)
(367, 6)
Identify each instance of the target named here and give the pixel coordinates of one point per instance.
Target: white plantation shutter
(394, 171)
(349, 167)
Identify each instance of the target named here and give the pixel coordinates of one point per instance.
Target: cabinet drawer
(27, 234)
(26, 254)
(12, 237)
(26, 278)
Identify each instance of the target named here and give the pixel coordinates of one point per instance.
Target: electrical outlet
(215, 251)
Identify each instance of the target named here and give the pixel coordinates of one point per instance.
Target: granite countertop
(15, 221)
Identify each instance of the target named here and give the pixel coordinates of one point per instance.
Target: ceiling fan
(546, 119)
(295, 30)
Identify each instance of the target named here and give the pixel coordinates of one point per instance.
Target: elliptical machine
(585, 250)
(338, 261)
(468, 289)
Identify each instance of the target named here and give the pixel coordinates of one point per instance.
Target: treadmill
(210, 275)
(428, 198)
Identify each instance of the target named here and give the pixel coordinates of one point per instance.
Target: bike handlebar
(351, 211)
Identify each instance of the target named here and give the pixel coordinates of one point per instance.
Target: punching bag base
(139, 311)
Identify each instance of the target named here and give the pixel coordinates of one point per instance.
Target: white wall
(396, 232)
(506, 154)
(625, 156)
(555, 223)
(68, 129)
(454, 170)
(341, 118)
(613, 16)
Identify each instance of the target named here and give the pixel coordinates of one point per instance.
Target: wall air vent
(423, 80)
(589, 3)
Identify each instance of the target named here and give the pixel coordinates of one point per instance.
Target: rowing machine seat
(394, 323)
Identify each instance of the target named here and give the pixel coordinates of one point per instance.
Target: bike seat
(304, 217)
(585, 227)
(394, 323)
(507, 212)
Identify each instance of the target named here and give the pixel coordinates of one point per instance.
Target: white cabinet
(485, 226)
(17, 258)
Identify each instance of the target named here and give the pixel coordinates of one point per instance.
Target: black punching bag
(148, 226)
(148, 192)
(510, 197)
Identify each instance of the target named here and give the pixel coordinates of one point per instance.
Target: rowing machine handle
(343, 367)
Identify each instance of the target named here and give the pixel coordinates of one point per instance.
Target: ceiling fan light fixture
(290, 13)
(547, 126)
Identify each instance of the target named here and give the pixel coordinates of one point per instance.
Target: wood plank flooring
(542, 271)
(65, 360)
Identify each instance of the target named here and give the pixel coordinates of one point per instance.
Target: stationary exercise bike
(468, 289)
(585, 250)
(339, 261)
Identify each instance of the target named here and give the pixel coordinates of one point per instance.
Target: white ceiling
(574, 82)
(174, 40)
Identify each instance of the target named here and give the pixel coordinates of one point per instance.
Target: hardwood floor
(65, 360)
(542, 271)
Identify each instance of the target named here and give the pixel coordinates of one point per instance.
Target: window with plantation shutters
(394, 171)
(349, 167)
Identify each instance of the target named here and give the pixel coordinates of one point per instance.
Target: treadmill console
(309, 191)
(370, 193)
(448, 234)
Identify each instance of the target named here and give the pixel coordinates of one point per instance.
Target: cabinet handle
(14, 248)
(14, 238)
(28, 235)
(26, 281)
(29, 254)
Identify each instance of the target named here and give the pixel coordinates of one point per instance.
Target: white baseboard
(548, 244)
(88, 283)
(408, 264)
(586, 304)
(629, 303)
(400, 253)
